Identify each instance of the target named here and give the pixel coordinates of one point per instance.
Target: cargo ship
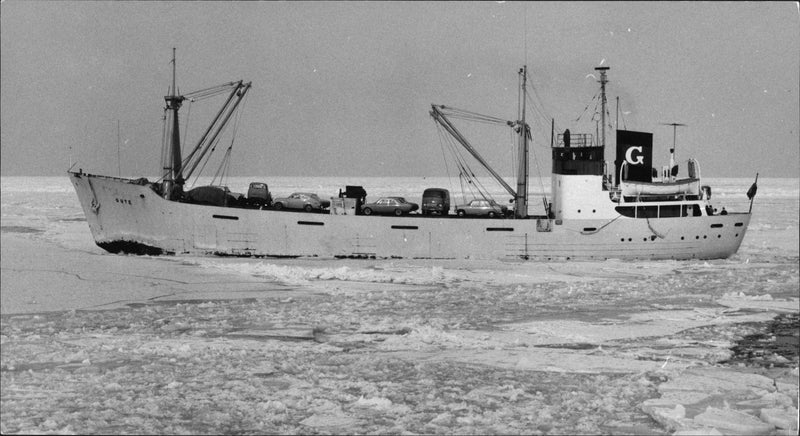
(625, 209)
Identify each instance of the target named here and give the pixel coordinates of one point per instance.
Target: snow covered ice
(100, 343)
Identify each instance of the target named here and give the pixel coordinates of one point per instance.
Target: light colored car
(301, 200)
(389, 205)
(481, 208)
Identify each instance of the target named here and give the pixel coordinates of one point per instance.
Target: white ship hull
(128, 217)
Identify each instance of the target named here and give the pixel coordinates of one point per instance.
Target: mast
(603, 82)
(521, 197)
(174, 102)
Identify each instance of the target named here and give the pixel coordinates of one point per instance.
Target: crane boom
(440, 118)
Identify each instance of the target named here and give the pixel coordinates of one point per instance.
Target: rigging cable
(164, 147)
(207, 158)
(465, 172)
(463, 195)
(595, 112)
(227, 158)
(444, 157)
(592, 232)
(533, 149)
(222, 168)
(655, 233)
(586, 108)
(209, 92)
(543, 121)
(471, 116)
(444, 140)
(623, 120)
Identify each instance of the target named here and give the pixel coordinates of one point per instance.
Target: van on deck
(258, 194)
(435, 201)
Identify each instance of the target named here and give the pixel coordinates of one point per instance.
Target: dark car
(258, 194)
(389, 205)
(481, 208)
(435, 201)
(212, 196)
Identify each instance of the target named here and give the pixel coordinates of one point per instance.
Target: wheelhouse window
(669, 211)
(662, 211)
(647, 211)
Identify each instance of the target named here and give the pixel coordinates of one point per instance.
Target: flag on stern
(752, 191)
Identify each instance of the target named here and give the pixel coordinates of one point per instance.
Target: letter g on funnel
(629, 157)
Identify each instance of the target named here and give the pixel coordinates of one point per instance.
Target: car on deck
(301, 200)
(389, 205)
(478, 207)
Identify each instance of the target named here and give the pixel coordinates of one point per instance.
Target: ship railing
(617, 197)
(575, 140)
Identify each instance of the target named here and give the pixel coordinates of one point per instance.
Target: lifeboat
(687, 186)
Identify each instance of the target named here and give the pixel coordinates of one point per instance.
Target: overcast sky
(344, 88)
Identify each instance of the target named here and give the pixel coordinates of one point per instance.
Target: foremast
(173, 180)
(175, 169)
